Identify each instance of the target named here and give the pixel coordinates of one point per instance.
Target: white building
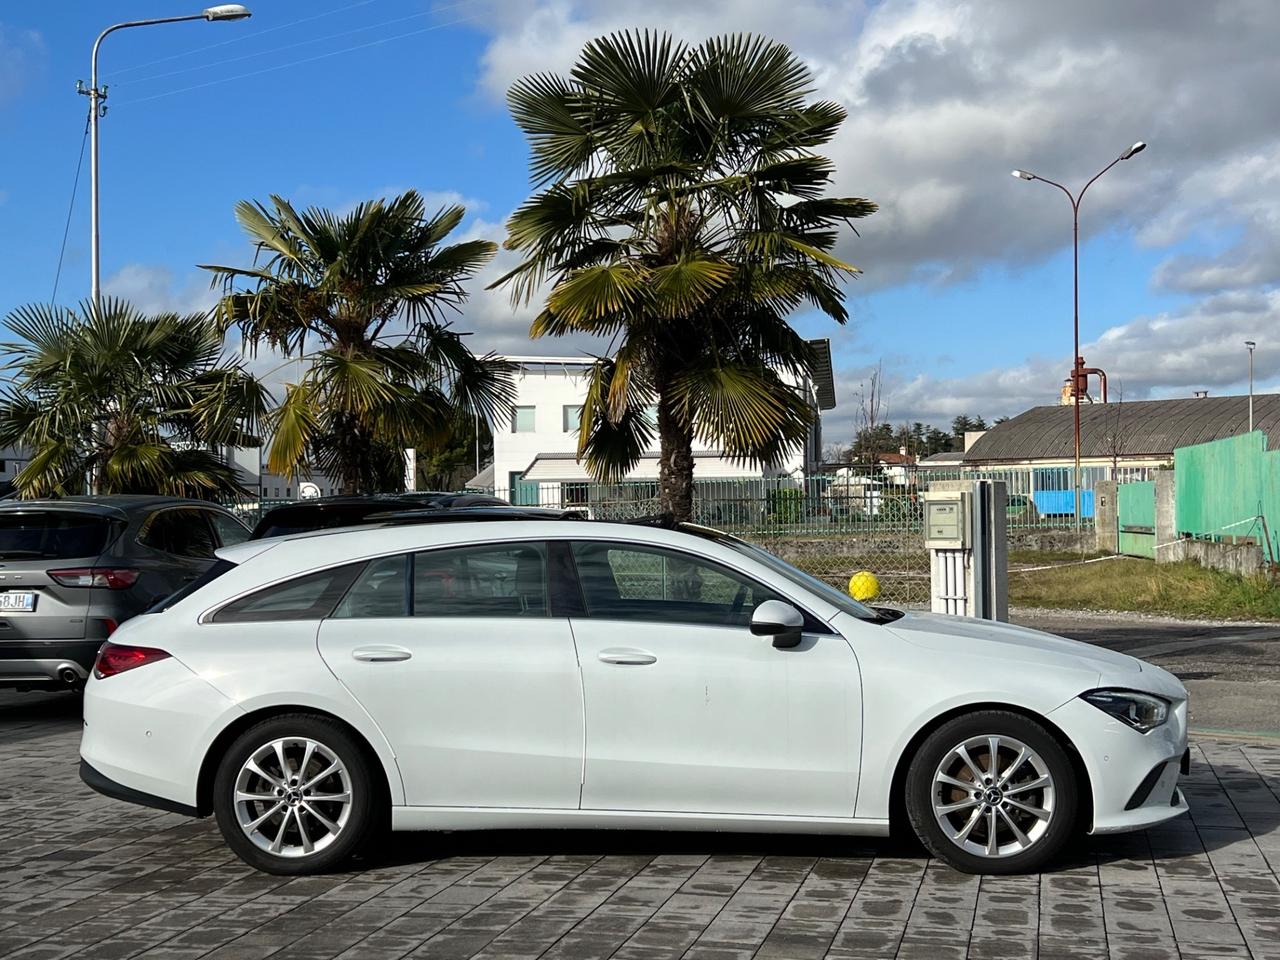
(535, 451)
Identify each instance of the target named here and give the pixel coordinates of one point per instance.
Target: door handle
(626, 657)
(380, 654)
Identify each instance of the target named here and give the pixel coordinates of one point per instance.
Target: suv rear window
(53, 534)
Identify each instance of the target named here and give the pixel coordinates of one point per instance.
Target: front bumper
(1134, 776)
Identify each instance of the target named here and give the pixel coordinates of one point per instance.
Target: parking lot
(84, 876)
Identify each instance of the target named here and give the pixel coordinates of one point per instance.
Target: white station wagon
(311, 691)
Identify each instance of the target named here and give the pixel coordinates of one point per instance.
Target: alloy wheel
(292, 797)
(993, 796)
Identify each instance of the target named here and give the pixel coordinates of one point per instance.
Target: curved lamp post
(96, 95)
(1077, 361)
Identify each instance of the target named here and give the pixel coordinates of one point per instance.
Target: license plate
(17, 600)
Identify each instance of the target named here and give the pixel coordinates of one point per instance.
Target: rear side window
(499, 580)
(216, 569)
(183, 532)
(53, 535)
(230, 531)
(380, 591)
(311, 597)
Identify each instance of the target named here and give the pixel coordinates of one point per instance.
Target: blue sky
(966, 296)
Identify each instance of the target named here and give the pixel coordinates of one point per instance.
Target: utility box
(965, 532)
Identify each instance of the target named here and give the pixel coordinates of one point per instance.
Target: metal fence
(832, 526)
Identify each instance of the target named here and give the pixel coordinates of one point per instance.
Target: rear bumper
(118, 791)
(81, 651)
(50, 670)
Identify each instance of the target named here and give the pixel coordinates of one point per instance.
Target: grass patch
(1034, 558)
(1142, 586)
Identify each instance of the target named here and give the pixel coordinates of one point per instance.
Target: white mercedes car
(311, 691)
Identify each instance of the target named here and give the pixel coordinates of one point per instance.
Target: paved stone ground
(83, 876)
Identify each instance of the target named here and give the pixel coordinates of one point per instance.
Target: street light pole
(97, 95)
(1250, 344)
(1077, 362)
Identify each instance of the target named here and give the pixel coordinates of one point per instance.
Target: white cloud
(22, 54)
(155, 289)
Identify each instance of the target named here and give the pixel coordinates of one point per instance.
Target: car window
(184, 532)
(53, 534)
(498, 580)
(309, 597)
(379, 591)
(230, 531)
(628, 582)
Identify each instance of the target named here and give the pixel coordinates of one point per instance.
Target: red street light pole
(1077, 364)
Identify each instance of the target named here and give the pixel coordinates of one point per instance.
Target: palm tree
(681, 211)
(368, 291)
(125, 403)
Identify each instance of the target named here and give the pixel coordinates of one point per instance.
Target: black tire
(362, 820)
(1044, 845)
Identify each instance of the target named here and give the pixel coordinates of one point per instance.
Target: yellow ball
(863, 585)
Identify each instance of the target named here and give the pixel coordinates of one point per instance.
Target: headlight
(1141, 711)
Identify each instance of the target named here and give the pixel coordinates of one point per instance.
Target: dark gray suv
(72, 570)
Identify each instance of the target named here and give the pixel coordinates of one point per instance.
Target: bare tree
(1116, 430)
(871, 413)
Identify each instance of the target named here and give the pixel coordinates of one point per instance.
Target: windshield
(838, 599)
(53, 534)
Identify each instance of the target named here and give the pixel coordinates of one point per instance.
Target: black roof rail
(462, 514)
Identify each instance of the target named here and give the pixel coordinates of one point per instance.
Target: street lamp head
(227, 11)
(1023, 174)
(1136, 148)
(1250, 344)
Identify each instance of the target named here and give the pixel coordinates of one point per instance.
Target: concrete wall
(1104, 517)
(1244, 559)
(1166, 510)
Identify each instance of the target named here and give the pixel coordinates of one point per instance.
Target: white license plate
(17, 600)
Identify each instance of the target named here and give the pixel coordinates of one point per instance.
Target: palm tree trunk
(675, 461)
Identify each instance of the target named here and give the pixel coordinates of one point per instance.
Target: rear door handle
(624, 656)
(383, 653)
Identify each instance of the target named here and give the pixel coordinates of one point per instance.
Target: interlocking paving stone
(85, 877)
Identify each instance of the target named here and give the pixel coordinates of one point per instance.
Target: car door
(460, 657)
(687, 711)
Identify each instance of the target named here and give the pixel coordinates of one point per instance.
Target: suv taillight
(116, 658)
(113, 578)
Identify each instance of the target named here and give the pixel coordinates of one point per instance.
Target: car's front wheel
(294, 795)
(992, 792)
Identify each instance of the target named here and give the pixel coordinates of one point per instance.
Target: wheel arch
(222, 742)
(897, 786)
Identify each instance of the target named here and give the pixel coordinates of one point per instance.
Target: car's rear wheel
(295, 795)
(992, 792)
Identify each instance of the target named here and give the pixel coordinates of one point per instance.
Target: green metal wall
(1227, 487)
(1136, 514)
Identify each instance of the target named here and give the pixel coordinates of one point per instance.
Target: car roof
(108, 504)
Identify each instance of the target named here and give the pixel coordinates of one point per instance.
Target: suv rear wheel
(295, 795)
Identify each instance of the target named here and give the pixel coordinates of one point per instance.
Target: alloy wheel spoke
(323, 774)
(278, 843)
(307, 845)
(1036, 812)
(1023, 840)
(254, 824)
(953, 782)
(993, 761)
(306, 758)
(324, 821)
(1035, 784)
(959, 805)
(285, 771)
(329, 797)
(253, 767)
(967, 760)
(993, 844)
(967, 829)
(1010, 770)
(244, 797)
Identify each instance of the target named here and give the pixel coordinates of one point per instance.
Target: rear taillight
(113, 578)
(116, 658)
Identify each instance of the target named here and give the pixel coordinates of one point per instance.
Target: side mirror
(779, 620)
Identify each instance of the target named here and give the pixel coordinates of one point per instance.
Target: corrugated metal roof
(1142, 428)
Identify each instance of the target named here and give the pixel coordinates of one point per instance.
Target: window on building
(522, 419)
(572, 417)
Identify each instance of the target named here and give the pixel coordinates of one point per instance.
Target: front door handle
(626, 657)
(384, 653)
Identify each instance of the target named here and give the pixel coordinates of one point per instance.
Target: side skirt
(507, 818)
